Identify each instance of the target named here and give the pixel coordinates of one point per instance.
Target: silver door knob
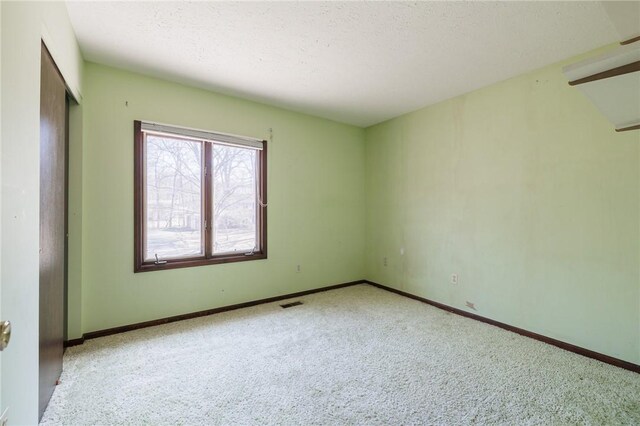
(5, 334)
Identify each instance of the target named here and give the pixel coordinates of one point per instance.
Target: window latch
(158, 261)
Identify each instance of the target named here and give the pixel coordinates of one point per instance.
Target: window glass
(234, 199)
(200, 197)
(174, 182)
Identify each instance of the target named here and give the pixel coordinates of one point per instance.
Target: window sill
(188, 263)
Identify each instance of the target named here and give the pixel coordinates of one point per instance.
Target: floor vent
(291, 305)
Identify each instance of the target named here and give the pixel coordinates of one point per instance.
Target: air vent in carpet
(291, 305)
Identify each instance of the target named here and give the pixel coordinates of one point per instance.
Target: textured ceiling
(355, 62)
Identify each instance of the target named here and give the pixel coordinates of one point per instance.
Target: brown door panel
(53, 125)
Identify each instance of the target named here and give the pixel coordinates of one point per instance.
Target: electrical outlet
(384, 261)
(4, 420)
(298, 268)
(454, 279)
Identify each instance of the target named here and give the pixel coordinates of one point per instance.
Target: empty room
(328, 213)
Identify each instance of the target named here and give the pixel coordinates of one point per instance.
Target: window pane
(234, 199)
(173, 197)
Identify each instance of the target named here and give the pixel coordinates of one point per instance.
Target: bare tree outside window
(234, 199)
(200, 197)
(174, 197)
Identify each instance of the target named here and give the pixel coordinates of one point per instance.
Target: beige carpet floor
(358, 355)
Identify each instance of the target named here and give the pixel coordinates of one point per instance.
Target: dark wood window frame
(140, 265)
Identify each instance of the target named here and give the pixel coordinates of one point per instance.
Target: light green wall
(74, 248)
(524, 190)
(24, 25)
(315, 214)
(1, 317)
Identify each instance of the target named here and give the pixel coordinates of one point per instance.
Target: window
(200, 197)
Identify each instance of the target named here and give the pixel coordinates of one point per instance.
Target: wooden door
(53, 132)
